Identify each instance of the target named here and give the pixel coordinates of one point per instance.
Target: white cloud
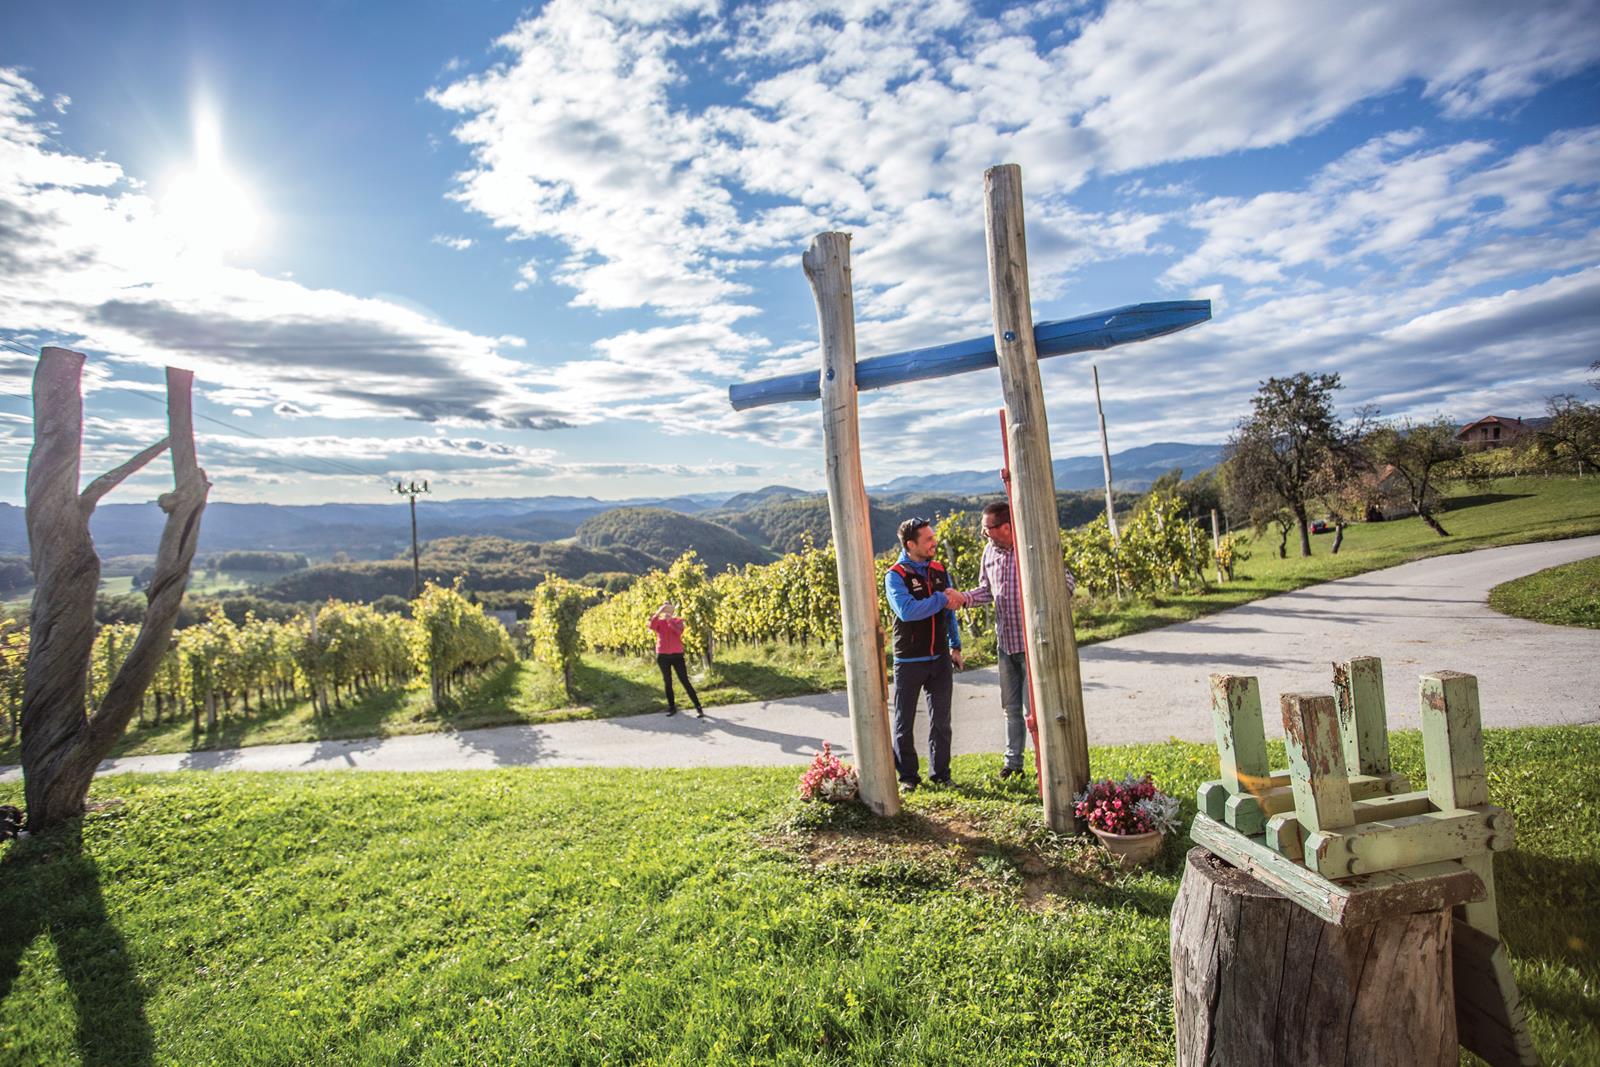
(878, 118)
(85, 257)
(457, 244)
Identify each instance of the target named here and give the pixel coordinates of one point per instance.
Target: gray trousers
(1013, 699)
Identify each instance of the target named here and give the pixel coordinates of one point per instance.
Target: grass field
(1568, 595)
(611, 916)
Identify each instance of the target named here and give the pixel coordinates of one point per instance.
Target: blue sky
(521, 251)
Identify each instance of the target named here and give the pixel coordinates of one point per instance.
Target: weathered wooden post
(1329, 938)
(827, 267)
(1052, 647)
(1216, 545)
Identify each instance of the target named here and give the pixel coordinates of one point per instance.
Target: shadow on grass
(612, 693)
(48, 885)
(768, 681)
(1531, 889)
(1462, 503)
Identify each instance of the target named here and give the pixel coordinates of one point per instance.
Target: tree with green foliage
(1282, 456)
(1572, 435)
(558, 607)
(1422, 457)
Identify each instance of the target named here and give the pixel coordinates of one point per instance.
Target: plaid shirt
(1000, 584)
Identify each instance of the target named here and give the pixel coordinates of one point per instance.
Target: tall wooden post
(1105, 460)
(827, 267)
(1216, 544)
(1052, 647)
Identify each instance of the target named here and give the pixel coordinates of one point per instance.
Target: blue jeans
(910, 681)
(1013, 698)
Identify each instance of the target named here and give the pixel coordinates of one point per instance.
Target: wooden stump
(1258, 980)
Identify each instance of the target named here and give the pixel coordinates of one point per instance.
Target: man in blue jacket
(927, 642)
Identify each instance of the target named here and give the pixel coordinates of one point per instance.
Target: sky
(522, 251)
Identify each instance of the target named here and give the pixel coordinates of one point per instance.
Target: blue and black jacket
(925, 629)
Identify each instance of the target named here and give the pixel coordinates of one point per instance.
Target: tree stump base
(1257, 980)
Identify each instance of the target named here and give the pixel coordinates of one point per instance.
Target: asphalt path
(1419, 617)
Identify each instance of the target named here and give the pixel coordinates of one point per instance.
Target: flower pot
(1131, 850)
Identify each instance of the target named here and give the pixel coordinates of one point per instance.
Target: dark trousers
(911, 680)
(673, 661)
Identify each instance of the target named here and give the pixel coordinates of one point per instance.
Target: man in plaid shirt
(1000, 584)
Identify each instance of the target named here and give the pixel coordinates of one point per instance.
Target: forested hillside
(665, 535)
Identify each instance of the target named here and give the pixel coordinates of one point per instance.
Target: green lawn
(672, 917)
(1568, 595)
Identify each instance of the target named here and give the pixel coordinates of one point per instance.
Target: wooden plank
(1490, 1017)
(1086, 333)
(1350, 901)
(1047, 607)
(827, 267)
(1405, 842)
(1316, 761)
(1283, 833)
(1363, 715)
(1241, 735)
(1251, 814)
(1452, 742)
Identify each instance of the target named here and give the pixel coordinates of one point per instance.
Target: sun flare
(210, 212)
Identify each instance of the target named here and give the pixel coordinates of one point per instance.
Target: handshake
(955, 599)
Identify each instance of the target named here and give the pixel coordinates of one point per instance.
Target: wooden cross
(1016, 347)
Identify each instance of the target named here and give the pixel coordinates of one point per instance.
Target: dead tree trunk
(62, 744)
(1259, 980)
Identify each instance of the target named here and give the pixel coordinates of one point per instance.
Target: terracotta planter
(1131, 850)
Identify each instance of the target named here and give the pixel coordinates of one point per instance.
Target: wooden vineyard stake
(1352, 843)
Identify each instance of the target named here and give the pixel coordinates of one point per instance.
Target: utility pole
(413, 491)
(1105, 459)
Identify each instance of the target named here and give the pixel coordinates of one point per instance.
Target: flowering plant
(828, 779)
(1131, 806)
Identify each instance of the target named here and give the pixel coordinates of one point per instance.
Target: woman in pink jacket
(669, 655)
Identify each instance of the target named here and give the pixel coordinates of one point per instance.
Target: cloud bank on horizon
(1371, 195)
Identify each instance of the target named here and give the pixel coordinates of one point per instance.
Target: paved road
(1419, 617)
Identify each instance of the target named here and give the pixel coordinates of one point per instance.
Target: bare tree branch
(113, 478)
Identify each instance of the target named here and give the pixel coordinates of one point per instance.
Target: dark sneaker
(672, 711)
(941, 781)
(1007, 772)
(700, 712)
(910, 787)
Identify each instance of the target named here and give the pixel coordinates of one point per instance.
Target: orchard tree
(1283, 455)
(1423, 457)
(1573, 432)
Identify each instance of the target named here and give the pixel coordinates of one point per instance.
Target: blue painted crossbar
(1103, 329)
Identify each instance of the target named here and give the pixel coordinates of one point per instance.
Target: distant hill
(664, 535)
(361, 531)
(1131, 469)
(769, 495)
